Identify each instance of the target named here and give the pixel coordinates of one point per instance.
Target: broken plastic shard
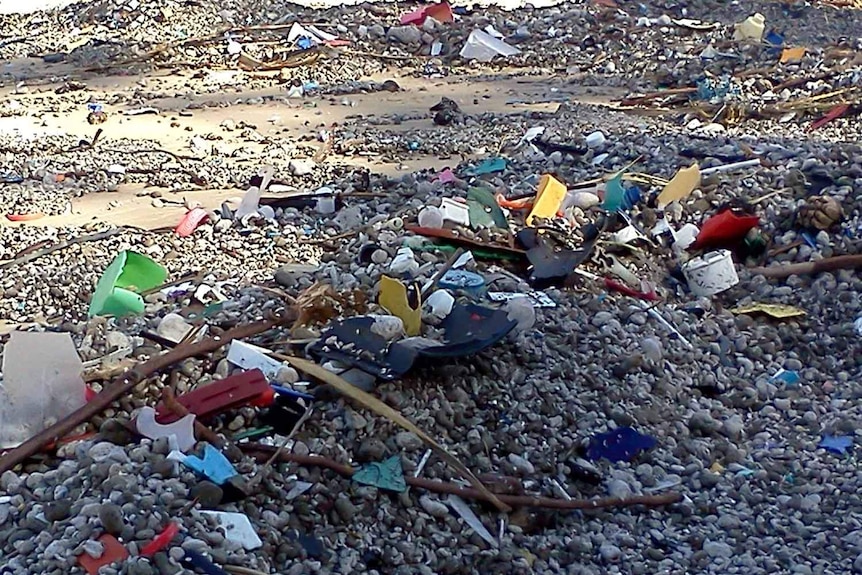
(538, 299)
(455, 212)
(461, 280)
(614, 193)
(483, 47)
(484, 210)
(461, 508)
(621, 444)
(353, 342)
(488, 166)
(162, 540)
(250, 203)
(836, 444)
(552, 266)
(404, 303)
(778, 311)
(183, 430)
(191, 221)
(386, 474)
(113, 551)
(214, 465)
(173, 327)
(237, 528)
(785, 376)
(548, 199)
(680, 186)
(41, 384)
(298, 489)
(248, 356)
(724, 229)
(469, 329)
(440, 303)
(117, 292)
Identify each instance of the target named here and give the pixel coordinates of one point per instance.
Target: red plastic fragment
(161, 540)
(626, 290)
(247, 388)
(723, 229)
(441, 12)
(114, 551)
(24, 217)
(832, 114)
(191, 221)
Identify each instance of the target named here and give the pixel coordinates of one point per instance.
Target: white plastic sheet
(41, 384)
(483, 47)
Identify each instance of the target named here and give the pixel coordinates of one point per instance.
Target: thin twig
(259, 475)
(259, 451)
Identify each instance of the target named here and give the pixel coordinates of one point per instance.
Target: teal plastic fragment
(488, 166)
(386, 474)
(615, 194)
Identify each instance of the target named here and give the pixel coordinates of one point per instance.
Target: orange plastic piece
(114, 551)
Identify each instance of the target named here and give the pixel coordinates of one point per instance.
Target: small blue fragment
(621, 444)
(836, 443)
(214, 465)
(304, 43)
(788, 377)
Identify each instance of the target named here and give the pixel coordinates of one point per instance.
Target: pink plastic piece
(447, 176)
(191, 221)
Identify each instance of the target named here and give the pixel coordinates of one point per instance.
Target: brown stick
(126, 382)
(263, 452)
(824, 265)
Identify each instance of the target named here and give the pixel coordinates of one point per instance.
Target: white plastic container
(750, 29)
(710, 273)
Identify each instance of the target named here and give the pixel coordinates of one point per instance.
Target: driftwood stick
(126, 382)
(264, 452)
(824, 265)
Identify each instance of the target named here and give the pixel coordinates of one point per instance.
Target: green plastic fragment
(119, 288)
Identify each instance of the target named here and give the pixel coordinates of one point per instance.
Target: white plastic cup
(710, 273)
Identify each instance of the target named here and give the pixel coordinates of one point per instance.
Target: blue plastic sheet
(836, 443)
(621, 444)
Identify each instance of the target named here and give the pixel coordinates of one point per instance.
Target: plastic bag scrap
(41, 384)
(483, 47)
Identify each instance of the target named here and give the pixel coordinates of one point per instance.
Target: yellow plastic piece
(393, 298)
(548, 199)
(680, 186)
(793, 54)
(778, 311)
